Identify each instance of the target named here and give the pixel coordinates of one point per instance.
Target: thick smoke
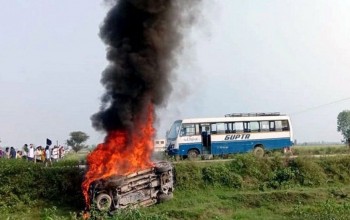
(143, 38)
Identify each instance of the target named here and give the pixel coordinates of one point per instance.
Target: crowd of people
(37, 154)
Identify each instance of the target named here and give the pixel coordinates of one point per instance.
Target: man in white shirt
(47, 156)
(30, 155)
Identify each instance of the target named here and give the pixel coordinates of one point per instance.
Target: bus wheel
(192, 154)
(258, 151)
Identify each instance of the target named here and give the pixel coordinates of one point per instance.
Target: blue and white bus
(234, 133)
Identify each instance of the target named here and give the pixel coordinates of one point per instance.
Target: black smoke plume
(143, 38)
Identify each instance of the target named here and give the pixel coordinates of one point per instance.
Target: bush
(25, 182)
(188, 176)
(337, 169)
(220, 175)
(283, 177)
(308, 172)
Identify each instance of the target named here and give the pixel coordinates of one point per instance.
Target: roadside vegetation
(320, 149)
(245, 187)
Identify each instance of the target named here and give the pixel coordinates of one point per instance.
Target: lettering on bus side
(237, 136)
(191, 139)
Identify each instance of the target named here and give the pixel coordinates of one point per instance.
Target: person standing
(43, 154)
(19, 154)
(25, 151)
(47, 156)
(12, 153)
(37, 154)
(7, 153)
(55, 153)
(30, 155)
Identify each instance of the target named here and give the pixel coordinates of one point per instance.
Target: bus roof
(250, 114)
(232, 119)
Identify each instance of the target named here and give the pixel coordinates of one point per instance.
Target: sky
(240, 56)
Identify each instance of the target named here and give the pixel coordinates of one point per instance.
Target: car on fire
(139, 189)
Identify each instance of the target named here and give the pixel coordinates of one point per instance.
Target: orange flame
(122, 153)
(86, 215)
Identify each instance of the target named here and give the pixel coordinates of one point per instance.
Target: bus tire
(258, 151)
(192, 154)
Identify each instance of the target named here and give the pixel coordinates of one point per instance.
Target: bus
(234, 133)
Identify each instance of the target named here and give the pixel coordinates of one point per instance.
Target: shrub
(26, 182)
(188, 176)
(283, 177)
(220, 175)
(337, 169)
(308, 172)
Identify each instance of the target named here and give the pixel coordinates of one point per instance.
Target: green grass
(79, 156)
(223, 203)
(320, 149)
(243, 188)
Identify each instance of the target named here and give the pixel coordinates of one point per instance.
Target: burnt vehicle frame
(139, 189)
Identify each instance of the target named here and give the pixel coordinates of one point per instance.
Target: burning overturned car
(139, 189)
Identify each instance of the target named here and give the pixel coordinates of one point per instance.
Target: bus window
(254, 126)
(187, 130)
(238, 126)
(272, 125)
(264, 125)
(278, 125)
(213, 129)
(285, 125)
(229, 127)
(197, 130)
(204, 128)
(246, 126)
(174, 130)
(220, 128)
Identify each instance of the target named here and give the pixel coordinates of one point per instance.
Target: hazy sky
(242, 56)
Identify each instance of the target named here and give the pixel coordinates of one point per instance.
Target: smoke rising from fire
(143, 38)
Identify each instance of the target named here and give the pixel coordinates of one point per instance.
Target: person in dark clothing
(12, 153)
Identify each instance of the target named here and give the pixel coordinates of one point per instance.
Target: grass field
(320, 149)
(282, 197)
(223, 203)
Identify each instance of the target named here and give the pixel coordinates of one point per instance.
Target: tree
(344, 125)
(77, 138)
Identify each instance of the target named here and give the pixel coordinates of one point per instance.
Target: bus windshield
(174, 130)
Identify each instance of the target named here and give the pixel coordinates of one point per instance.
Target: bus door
(206, 138)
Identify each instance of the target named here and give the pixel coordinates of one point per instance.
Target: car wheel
(103, 202)
(162, 167)
(259, 151)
